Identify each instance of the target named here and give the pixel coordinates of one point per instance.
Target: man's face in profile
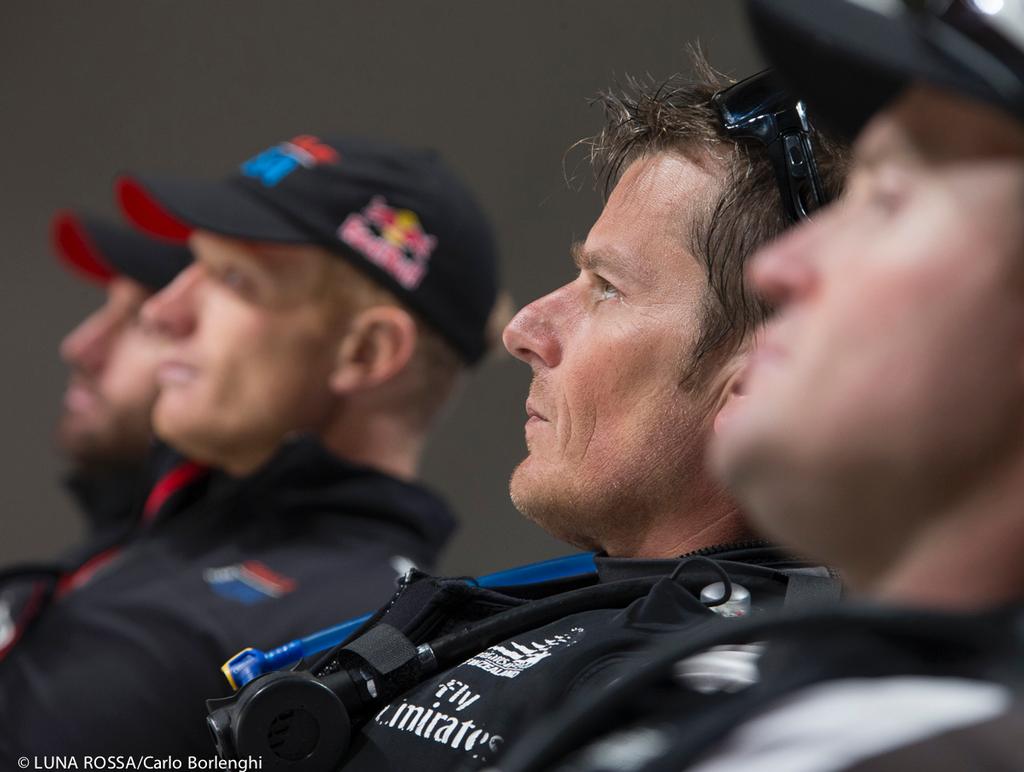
(891, 378)
(614, 437)
(105, 421)
(251, 335)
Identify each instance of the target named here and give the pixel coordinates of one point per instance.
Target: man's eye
(606, 290)
(886, 192)
(235, 280)
(886, 201)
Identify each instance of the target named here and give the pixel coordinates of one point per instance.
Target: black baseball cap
(396, 213)
(848, 58)
(100, 250)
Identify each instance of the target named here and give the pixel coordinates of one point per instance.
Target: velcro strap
(384, 648)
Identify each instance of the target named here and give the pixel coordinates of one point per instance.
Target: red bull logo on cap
(392, 239)
(274, 164)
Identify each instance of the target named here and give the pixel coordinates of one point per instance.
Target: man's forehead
(663, 181)
(650, 213)
(927, 126)
(881, 141)
(274, 257)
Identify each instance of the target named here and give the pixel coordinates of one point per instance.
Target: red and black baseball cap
(849, 58)
(399, 214)
(100, 250)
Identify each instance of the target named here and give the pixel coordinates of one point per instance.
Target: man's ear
(377, 346)
(734, 390)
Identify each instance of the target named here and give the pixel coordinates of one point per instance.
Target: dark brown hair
(646, 117)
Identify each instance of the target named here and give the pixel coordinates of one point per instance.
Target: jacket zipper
(736, 545)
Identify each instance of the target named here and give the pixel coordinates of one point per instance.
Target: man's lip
(532, 412)
(78, 397)
(175, 373)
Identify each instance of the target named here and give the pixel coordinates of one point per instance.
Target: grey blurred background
(190, 87)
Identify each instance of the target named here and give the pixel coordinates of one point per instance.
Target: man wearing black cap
(104, 427)
(348, 282)
(883, 431)
(339, 289)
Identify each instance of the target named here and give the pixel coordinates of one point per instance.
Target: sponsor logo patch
(508, 660)
(274, 164)
(443, 722)
(392, 239)
(249, 582)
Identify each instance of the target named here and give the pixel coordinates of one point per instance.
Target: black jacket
(855, 688)
(110, 499)
(464, 717)
(124, 662)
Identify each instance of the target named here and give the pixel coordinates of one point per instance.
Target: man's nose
(88, 345)
(171, 312)
(534, 334)
(784, 271)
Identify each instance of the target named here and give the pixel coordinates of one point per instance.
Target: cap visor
(102, 250)
(844, 60)
(173, 208)
(73, 244)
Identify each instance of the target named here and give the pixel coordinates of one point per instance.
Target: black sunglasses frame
(759, 108)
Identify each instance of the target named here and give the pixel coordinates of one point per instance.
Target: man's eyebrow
(588, 260)
(882, 148)
(579, 257)
(865, 158)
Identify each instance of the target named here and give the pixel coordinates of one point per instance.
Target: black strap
(384, 648)
(806, 589)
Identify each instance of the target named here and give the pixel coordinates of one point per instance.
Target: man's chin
(750, 462)
(740, 442)
(523, 486)
(78, 434)
(187, 434)
(91, 449)
(723, 455)
(547, 500)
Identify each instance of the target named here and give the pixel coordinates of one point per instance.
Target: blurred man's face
(105, 420)
(889, 386)
(251, 346)
(614, 439)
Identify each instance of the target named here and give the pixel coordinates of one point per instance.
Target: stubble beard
(610, 512)
(556, 508)
(109, 444)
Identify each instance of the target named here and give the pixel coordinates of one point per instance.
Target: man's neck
(969, 557)
(384, 443)
(669, 537)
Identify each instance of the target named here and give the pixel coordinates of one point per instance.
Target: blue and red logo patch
(274, 164)
(249, 582)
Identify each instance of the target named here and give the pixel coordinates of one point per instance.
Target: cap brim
(847, 61)
(172, 208)
(100, 251)
(74, 245)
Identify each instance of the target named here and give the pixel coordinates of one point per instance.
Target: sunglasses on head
(759, 108)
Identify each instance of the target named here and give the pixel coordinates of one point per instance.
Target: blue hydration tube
(252, 663)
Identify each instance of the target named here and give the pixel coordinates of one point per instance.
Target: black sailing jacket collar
(750, 553)
(304, 478)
